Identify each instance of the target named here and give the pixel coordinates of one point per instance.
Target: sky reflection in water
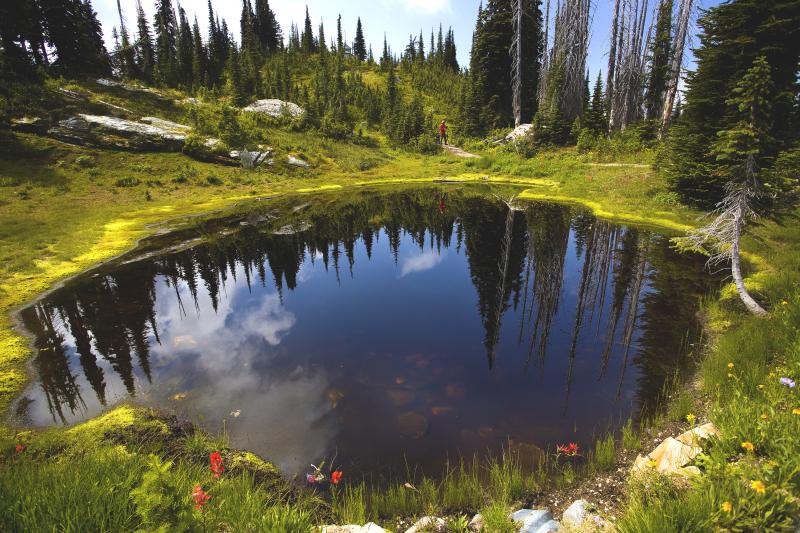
(388, 332)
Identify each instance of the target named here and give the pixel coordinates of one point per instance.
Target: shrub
(213, 180)
(586, 141)
(85, 161)
(424, 144)
(127, 182)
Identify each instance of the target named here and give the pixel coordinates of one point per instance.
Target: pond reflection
(347, 326)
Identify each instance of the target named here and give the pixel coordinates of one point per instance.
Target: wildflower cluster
(570, 450)
(319, 476)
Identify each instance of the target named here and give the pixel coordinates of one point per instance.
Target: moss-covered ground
(64, 209)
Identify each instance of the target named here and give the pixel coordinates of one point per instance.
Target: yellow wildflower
(760, 387)
(796, 411)
(727, 507)
(747, 445)
(730, 375)
(764, 417)
(652, 464)
(784, 302)
(730, 365)
(758, 486)
(691, 418)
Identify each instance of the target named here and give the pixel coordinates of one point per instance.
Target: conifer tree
(185, 46)
(660, 56)
(145, 53)
(166, 41)
(267, 27)
(199, 58)
(307, 43)
(596, 120)
(359, 45)
(339, 36)
(127, 53)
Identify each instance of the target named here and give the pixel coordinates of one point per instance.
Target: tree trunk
(675, 69)
(612, 54)
(736, 269)
(516, 62)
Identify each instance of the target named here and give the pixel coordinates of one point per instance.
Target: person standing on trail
(443, 133)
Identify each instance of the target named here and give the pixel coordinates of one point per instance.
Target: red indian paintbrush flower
(216, 464)
(200, 497)
(19, 448)
(336, 477)
(570, 449)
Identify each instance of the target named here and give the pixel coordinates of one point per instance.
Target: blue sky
(398, 18)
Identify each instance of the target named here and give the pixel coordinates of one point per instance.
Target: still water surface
(383, 329)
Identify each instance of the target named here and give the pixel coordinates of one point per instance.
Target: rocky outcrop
(252, 160)
(130, 88)
(275, 108)
(672, 456)
(111, 132)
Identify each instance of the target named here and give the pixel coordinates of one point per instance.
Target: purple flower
(311, 479)
(788, 382)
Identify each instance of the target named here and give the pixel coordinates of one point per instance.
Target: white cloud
(422, 262)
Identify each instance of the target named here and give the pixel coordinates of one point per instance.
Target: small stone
(427, 523)
(575, 514)
(296, 162)
(535, 521)
(477, 523)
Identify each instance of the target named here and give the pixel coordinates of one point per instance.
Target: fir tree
(359, 45)
(166, 40)
(145, 53)
(596, 120)
(185, 48)
(307, 43)
(339, 36)
(127, 53)
(267, 27)
(198, 57)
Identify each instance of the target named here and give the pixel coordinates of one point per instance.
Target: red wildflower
(570, 449)
(336, 477)
(216, 464)
(200, 497)
(19, 448)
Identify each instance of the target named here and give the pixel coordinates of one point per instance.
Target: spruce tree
(359, 45)
(596, 120)
(267, 27)
(339, 37)
(127, 54)
(185, 46)
(199, 58)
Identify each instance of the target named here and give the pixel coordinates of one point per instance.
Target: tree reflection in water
(581, 296)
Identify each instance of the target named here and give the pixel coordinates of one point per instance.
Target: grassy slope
(59, 218)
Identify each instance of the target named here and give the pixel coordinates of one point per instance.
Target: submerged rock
(411, 424)
(535, 521)
(275, 108)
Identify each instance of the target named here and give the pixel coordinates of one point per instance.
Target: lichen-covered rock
(166, 124)
(670, 457)
(518, 133)
(275, 108)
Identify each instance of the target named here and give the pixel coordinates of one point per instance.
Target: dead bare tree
(545, 58)
(516, 62)
(723, 235)
(678, 44)
(627, 62)
(565, 65)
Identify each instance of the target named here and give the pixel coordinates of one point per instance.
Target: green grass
(604, 455)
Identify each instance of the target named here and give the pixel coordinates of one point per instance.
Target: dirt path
(634, 165)
(458, 152)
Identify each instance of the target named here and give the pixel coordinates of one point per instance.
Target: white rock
(120, 125)
(165, 124)
(427, 523)
(520, 131)
(275, 108)
(535, 521)
(575, 514)
(477, 523)
(669, 457)
(295, 162)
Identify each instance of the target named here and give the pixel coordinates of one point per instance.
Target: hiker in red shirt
(443, 133)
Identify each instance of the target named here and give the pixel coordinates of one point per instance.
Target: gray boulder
(296, 162)
(576, 514)
(427, 524)
(112, 132)
(275, 108)
(535, 521)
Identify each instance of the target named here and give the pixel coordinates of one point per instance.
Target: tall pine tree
(359, 45)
